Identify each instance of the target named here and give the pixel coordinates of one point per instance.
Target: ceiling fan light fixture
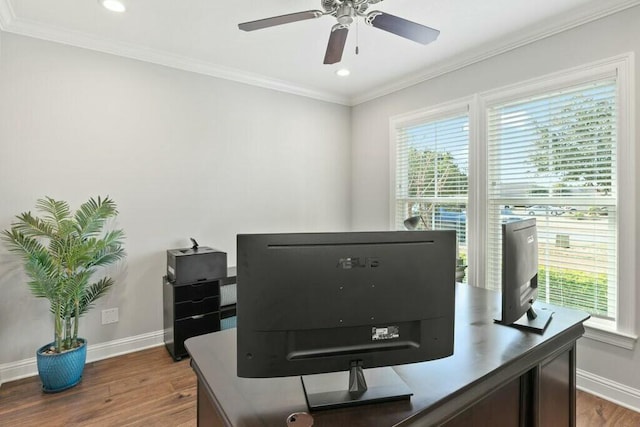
(113, 5)
(345, 14)
(343, 72)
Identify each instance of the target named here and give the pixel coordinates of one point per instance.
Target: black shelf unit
(194, 308)
(189, 309)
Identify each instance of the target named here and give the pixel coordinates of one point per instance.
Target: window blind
(432, 167)
(553, 157)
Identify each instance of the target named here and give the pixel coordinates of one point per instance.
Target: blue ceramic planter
(62, 370)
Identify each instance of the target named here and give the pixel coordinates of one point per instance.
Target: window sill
(604, 331)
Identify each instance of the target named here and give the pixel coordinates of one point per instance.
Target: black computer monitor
(337, 303)
(520, 277)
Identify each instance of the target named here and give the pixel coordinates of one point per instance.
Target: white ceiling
(202, 36)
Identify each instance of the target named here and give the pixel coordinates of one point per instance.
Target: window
(553, 157)
(559, 149)
(432, 170)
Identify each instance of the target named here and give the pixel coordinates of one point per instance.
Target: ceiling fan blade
(337, 39)
(402, 27)
(279, 20)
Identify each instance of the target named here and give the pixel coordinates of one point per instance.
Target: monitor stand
(334, 390)
(534, 320)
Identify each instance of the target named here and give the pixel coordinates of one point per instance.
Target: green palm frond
(32, 226)
(113, 237)
(92, 215)
(77, 284)
(108, 257)
(93, 292)
(47, 280)
(21, 244)
(106, 254)
(67, 227)
(77, 254)
(43, 287)
(56, 211)
(58, 248)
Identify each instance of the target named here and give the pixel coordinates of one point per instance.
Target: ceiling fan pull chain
(357, 36)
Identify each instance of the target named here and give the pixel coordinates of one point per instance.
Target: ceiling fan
(346, 11)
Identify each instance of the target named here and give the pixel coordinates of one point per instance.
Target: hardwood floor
(592, 411)
(145, 388)
(148, 388)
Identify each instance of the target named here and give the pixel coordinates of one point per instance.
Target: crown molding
(560, 24)
(16, 25)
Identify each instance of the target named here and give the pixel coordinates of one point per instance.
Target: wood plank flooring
(148, 388)
(592, 411)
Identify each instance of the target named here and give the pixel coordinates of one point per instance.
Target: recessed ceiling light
(343, 72)
(113, 5)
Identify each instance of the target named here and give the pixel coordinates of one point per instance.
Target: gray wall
(184, 155)
(595, 41)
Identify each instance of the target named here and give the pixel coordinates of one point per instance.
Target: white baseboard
(612, 391)
(28, 367)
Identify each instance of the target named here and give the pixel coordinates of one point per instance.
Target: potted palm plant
(62, 252)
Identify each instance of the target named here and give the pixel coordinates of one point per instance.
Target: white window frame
(439, 112)
(620, 332)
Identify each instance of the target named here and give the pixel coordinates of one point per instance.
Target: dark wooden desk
(498, 376)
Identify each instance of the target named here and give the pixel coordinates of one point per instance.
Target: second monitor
(520, 277)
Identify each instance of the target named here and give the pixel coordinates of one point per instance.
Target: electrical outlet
(109, 315)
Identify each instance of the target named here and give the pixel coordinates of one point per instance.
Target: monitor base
(532, 320)
(327, 391)
(537, 324)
